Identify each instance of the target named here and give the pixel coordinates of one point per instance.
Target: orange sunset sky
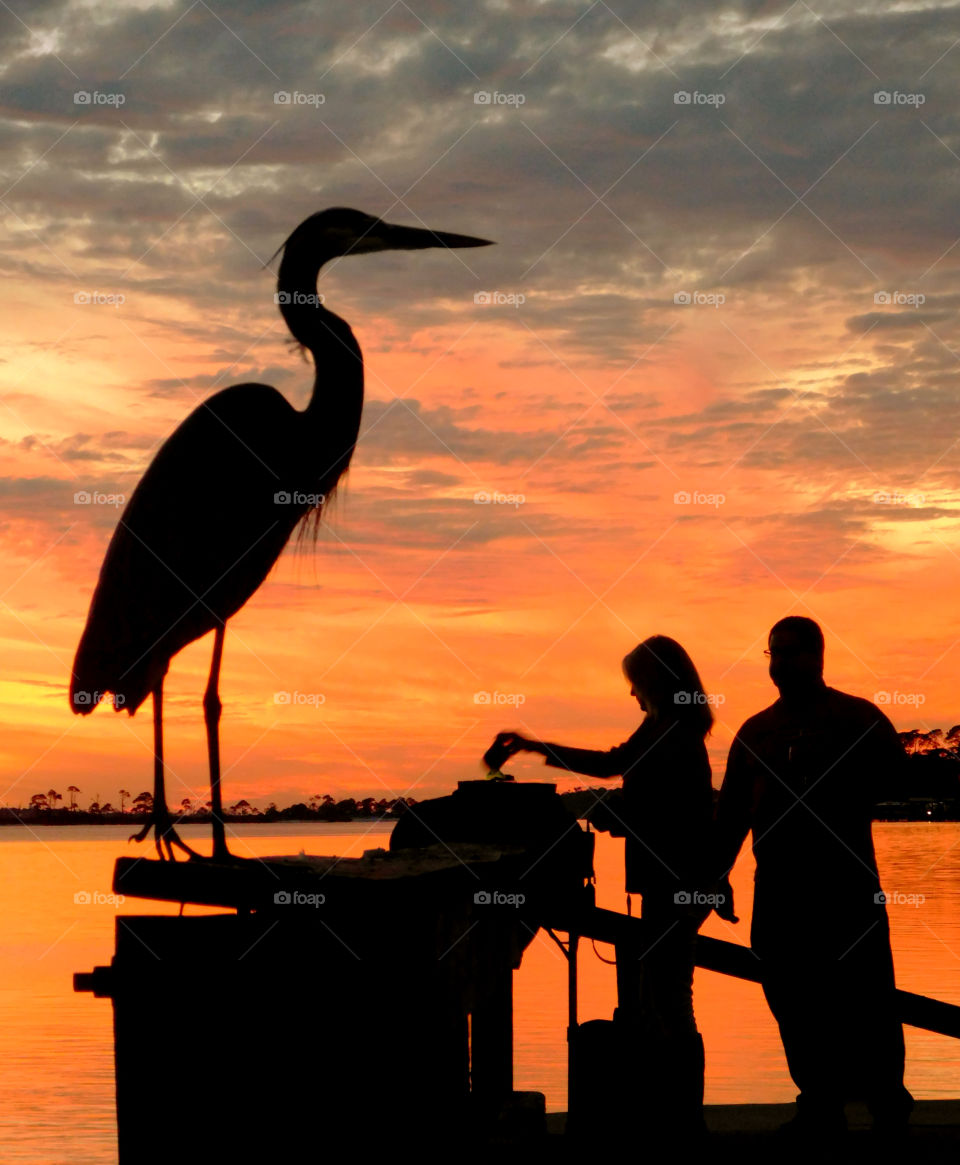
(795, 177)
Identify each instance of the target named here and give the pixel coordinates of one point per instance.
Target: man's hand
(718, 897)
(698, 907)
(724, 906)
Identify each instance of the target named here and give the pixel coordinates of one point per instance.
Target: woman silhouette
(665, 813)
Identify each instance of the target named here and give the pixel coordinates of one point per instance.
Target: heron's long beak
(387, 237)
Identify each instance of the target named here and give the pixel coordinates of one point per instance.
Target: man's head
(796, 655)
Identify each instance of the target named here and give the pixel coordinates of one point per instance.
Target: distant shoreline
(917, 809)
(926, 811)
(60, 817)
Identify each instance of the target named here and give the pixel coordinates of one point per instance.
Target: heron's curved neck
(337, 400)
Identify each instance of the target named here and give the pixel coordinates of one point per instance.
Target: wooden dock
(263, 1028)
(747, 1134)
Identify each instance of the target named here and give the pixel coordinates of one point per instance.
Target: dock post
(491, 1052)
(573, 944)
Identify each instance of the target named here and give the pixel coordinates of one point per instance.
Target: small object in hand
(607, 813)
(496, 775)
(495, 756)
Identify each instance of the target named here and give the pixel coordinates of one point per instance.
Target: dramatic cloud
(708, 374)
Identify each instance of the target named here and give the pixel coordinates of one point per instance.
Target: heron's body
(219, 502)
(200, 534)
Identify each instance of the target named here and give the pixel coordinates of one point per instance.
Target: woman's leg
(668, 1025)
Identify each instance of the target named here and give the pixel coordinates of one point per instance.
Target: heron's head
(340, 231)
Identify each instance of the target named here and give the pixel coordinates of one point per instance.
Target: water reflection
(56, 1071)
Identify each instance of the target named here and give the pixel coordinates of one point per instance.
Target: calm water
(56, 1069)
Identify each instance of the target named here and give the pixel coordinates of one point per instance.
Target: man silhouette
(803, 775)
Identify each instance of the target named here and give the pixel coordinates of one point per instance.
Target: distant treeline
(44, 810)
(929, 787)
(930, 784)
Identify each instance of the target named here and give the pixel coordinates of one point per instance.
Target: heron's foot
(220, 854)
(220, 851)
(165, 837)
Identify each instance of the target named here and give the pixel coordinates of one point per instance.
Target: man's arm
(732, 817)
(886, 767)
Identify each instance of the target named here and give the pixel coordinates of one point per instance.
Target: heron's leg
(159, 818)
(212, 707)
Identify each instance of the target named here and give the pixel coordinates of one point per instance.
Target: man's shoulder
(759, 722)
(854, 706)
(840, 706)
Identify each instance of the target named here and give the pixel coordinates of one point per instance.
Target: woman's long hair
(662, 672)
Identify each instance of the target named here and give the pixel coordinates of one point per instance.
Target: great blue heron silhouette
(219, 502)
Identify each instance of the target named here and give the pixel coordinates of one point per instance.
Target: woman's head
(662, 676)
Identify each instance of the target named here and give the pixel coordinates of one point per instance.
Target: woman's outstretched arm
(589, 762)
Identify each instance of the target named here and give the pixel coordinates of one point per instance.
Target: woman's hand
(513, 742)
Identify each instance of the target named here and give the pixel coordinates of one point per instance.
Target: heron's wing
(200, 533)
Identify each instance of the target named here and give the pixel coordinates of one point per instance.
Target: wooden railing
(713, 954)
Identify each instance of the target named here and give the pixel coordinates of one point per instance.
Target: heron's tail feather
(308, 528)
